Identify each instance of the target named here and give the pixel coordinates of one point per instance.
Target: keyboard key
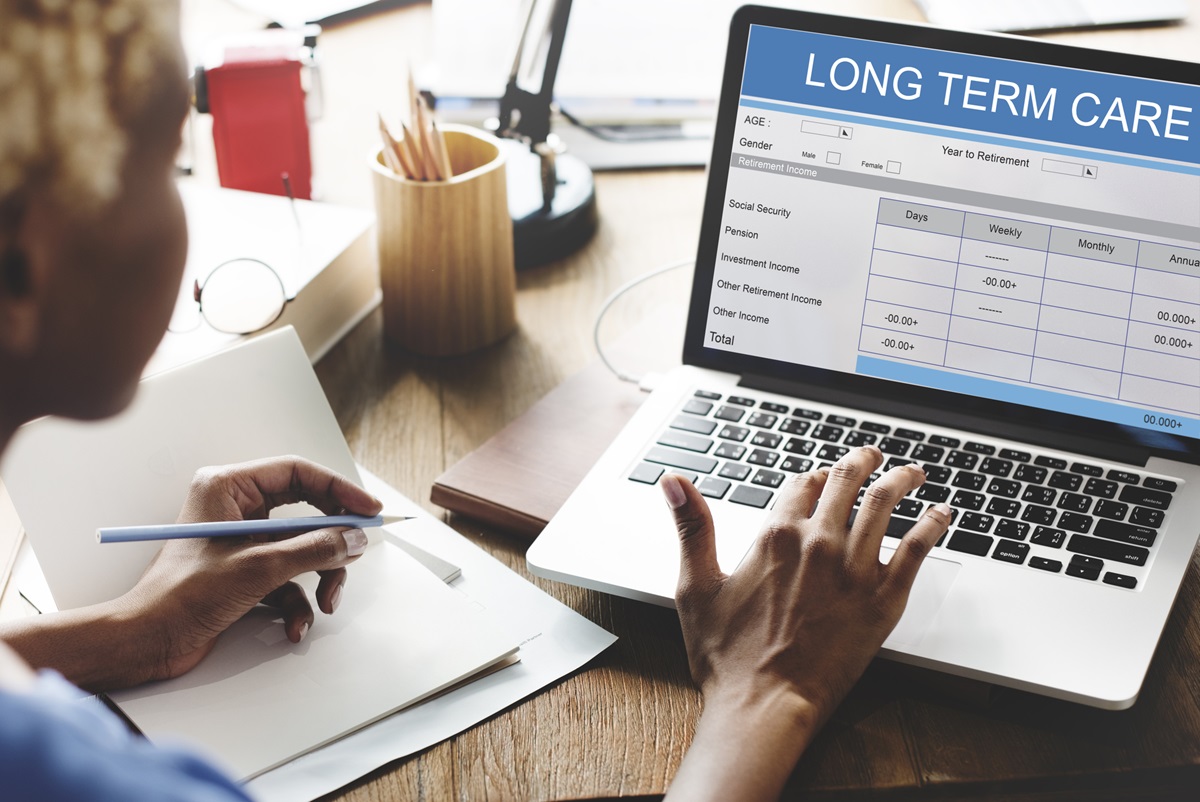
(996, 467)
(856, 439)
(970, 543)
(796, 465)
(895, 462)
(1101, 488)
(1038, 515)
(1074, 502)
(840, 420)
(766, 439)
(795, 426)
(751, 496)
(1004, 488)
(1014, 455)
(733, 470)
(961, 459)
(713, 488)
(1065, 481)
(1010, 551)
(688, 442)
(732, 414)
(1120, 580)
(1082, 571)
(770, 406)
(1013, 530)
(945, 442)
(709, 394)
(1087, 469)
(909, 508)
(688, 423)
(927, 453)
(1126, 533)
(691, 477)
(681, 459)
(738, 433)
(1030, 473)
(979, 448)
(909, 434)
(1039, 495)
(808, 414)
(1155, 483)
(762, 420)
(768, 478)
(1108, 550)
(1114, 510)
(895, 446)
(646, 473)
(832, 453)
(1146, 517)
(1124, 476)
(761, 456)
(697, 407)
(798, 446)
(937, 474)
(740, 400)
(1042, 564)
(968, 480)
(967, 501)
(976, 522)
(830, 433)
(1050, 538)
(729, 451)
(933, 493)
(1053, 463)
(1090, 562)
(1005, 508)
(872, 426)
(1145, 497)
(1074, 522)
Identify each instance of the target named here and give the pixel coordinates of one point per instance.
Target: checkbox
(833, 157)
(893, 167)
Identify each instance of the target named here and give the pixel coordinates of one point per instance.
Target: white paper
(258, 700)
(555, 642)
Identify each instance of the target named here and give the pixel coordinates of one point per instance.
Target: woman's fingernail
(335, 599)
(356, 541)
(673, 490)
(943, 508)
(303, 630)
(916, 467)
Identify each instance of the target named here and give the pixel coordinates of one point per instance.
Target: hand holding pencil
(419, 151)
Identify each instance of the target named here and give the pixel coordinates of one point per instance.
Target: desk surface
(621, 726)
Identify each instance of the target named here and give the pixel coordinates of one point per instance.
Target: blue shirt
(53, 746)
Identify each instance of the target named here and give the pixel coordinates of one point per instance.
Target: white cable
(624, 288)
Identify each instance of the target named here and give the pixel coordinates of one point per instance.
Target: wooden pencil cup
(446, 250)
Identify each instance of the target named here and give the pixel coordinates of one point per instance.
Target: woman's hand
(194, 589)
(776, 645)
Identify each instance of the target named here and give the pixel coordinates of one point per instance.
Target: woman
(92, 245)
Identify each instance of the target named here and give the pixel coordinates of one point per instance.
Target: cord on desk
(623, 134)
(647, 381)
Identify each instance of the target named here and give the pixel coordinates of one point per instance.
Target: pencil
(390, 157)
(423, 131)
(415, 154)
(264, 526)
(439, 150)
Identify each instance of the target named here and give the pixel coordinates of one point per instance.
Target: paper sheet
(555, 642)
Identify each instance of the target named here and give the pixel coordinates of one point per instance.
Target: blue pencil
(266, 526)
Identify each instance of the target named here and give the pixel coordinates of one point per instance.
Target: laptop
(978, 253)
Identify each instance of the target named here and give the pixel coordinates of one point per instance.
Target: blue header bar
(993, 95)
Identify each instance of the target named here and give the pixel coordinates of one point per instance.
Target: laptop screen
(1021, 232)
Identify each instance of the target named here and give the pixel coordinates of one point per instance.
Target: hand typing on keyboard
(776, 645)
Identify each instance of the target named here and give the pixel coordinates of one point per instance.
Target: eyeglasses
(240, 296)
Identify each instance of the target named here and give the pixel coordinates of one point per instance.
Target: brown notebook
(518, 479)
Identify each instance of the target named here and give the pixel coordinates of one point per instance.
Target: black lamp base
(543, 235)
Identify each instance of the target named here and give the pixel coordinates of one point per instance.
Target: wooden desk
(620, 726)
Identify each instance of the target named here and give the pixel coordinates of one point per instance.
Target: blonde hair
(74, 75)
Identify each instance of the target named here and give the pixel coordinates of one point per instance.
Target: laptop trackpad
(924, 600)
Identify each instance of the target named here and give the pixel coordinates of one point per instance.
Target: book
(324, 255)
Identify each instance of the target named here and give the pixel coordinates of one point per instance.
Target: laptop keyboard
(1050, 512)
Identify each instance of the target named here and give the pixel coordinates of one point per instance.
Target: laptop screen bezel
(935, 402)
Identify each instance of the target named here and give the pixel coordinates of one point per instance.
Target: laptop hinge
(1034, 435)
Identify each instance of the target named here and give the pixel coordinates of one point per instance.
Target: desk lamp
(551, 194)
